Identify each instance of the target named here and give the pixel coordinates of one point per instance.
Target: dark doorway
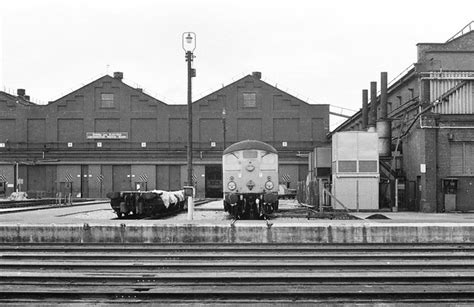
(121, 178)
(213, 175)
(175, 178)
(84, 181)
(410, 191)
(464, 194)
(36, 181)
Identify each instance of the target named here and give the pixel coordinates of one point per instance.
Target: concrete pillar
(428, 202)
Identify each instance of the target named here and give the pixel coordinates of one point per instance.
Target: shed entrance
(213, 175)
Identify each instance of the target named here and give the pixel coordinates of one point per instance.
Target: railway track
(167, 274)
(7, 207)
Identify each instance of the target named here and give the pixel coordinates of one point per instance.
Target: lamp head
(189, 41)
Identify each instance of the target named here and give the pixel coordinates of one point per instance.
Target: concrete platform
(82, 225)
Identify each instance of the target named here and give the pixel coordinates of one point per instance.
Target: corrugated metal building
(109, 136)
(431, 109)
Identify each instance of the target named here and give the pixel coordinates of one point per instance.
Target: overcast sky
(320, 51)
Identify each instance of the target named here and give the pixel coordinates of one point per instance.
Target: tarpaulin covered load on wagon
(146, 203)
(170, 198)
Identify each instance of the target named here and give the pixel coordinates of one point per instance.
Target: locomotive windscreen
(250, 154)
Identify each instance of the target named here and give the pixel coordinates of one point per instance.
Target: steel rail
(286, 273)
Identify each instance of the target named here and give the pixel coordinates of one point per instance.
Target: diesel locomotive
(250, 179)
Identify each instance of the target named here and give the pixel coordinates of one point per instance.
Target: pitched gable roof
(18, 99)
(256, 79)
(109, 78)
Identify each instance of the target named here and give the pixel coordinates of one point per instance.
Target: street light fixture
(189, 45)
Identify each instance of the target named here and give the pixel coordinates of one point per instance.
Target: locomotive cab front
(250, 179)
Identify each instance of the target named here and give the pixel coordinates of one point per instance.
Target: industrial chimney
(373, 106)
(365, 109)
(257, 75)
(21, 92)
(384, 125)
(118, 75)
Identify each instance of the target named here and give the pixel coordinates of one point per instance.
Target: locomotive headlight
(231, 185)
(268, 185)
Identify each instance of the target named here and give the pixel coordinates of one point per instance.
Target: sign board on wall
(106, 135)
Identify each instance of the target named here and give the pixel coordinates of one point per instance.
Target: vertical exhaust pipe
(365, 109)
(383, 95)
(373, 106)
(384, 125)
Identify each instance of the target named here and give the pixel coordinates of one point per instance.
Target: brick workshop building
(108, 136)
(431, 108)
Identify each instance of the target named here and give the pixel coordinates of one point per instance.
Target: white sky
(320, 51)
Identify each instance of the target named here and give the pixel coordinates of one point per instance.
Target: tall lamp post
(189, 44)
(224, 125)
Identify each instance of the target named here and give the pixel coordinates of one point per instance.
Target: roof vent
(257, 75)
(21, 92)
(118, 75)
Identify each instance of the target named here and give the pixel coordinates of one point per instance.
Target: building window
(368, 166)
(107, 100)
(347, 167)
(399, 100)
(250, 100)
(461, 157)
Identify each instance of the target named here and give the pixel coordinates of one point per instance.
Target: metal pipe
(373, 104)
(189, 59)
(384, 126)
(224, 126)
(365, 109)
(383, 95)
(16, 177)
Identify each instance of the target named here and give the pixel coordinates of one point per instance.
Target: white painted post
(189, 192)
(190, 208)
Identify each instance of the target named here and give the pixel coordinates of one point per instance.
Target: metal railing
(467, 28)
(400, 75)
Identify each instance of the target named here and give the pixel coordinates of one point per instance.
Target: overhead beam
(340, 115)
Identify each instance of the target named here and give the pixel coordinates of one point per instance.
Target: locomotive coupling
(270, 197)
(231, 198)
